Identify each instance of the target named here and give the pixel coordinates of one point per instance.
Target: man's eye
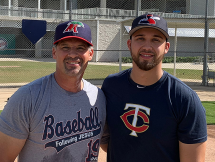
(140, 38)
(80, 48)
(65, 48)
(156, 40)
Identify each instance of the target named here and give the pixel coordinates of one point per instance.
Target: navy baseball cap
(150, 21)
(73, 29)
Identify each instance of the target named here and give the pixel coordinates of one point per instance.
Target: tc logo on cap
(149, 19)
(73, 26)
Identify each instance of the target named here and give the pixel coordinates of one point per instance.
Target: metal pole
(175, 48)
(70, 9)
(97, 40)
(205, 46)
(137, 8)
(120, 46)
(9, 7)
(38, 7)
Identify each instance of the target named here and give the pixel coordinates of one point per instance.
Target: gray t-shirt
(58, 125)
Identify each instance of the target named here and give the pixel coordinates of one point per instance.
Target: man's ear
(54, 52)
(167, 46)
(91, 54)
(129, 44)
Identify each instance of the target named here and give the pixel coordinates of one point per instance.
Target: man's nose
(72, 52)
(146, 45)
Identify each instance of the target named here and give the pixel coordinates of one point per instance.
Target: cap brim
(140, 27)
(73, 37)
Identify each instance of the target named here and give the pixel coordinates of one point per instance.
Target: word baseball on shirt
(75, 128)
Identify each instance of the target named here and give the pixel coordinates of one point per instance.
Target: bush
(126, 59)
(168, 59)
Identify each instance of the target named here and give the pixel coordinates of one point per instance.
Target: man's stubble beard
(145, 64)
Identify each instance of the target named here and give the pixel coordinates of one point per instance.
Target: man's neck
(146, 78)
(71, 84)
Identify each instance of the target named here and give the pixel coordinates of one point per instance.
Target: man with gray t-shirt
(61, 116)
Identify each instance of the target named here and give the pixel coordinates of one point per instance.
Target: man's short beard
(146, 65)
(74, 71)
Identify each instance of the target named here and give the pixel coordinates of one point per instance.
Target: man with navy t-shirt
(151, 115)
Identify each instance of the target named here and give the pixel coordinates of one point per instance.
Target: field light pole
(204, 79)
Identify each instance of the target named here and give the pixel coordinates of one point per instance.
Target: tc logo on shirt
(136, 113)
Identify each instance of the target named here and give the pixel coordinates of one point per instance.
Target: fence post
(9, 7)
(39, 15)
(70, 9)
(103, 7)
(38, 49)
(120, 46)
(97, 40)
(175, 49)
(137, 7)
(204, 78)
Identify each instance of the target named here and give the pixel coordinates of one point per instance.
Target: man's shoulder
(34, 87)
(179, 87)
(120, 75)
(114, 81)
(38, 82)
(177, 82)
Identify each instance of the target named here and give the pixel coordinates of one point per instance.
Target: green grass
(186, 73)
(210, 111)
(29, 71)
(25, 71)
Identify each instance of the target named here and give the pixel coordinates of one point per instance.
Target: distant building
(104, 18)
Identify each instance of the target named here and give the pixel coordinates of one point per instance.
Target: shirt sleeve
(15, 119)
(192, 126)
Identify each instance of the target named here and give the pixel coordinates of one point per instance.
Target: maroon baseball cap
(73, 29)
(150, 21)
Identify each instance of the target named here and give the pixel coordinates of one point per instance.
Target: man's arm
(10, 147)
(192, 152)
(105, 138)
(104, 147)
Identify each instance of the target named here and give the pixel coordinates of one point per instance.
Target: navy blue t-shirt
(147, 123)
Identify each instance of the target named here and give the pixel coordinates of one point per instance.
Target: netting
(109, 21)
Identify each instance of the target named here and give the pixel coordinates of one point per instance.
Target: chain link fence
(192, 36)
